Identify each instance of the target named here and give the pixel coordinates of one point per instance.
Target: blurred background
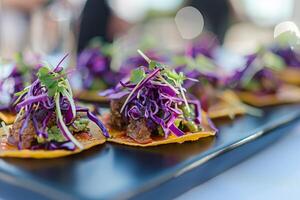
(54, 27)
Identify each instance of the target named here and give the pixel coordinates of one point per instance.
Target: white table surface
(273, 173)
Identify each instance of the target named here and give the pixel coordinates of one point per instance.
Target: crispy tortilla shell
(90, 96)
(7, 117)
(228, 105)
(286, 94)
(7, 150)
(120, 137)
(290, 75)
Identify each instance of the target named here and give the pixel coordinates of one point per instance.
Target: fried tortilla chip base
(286, 94)
(7, 117)
(229, 105)
(223, 109)
(120, 137)
(290, 75)
(7, 150)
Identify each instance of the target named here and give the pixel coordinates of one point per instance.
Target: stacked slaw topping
(156, 93)
(51, 95)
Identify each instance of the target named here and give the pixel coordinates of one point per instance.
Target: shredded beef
(139, 131)
(28, 135)
(41, 115)
(117, 120)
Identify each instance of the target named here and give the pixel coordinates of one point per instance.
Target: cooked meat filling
(28, 136)
(117, 120)
(138, 131)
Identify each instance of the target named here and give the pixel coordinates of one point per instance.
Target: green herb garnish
(54, 134)
(50, 80)
(137, 75)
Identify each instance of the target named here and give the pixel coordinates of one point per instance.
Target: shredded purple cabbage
(204, 46)
(96, 71)
(17, 80)
(262, 82)
(68, 145)
(289, 55)
(158, 99)
(25, 67)
(135, 61)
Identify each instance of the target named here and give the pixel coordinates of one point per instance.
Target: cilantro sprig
(137, 75)
(51, 80)
(200, 63)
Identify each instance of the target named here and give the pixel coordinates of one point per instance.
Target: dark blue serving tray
(114, 171)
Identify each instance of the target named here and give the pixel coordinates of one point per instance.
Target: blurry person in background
(98, 20)
(216, 14)
(14, 24)
(21, 5)
(44, 27)
(109, 19)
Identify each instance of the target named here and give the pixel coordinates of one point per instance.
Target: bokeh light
(189, 22)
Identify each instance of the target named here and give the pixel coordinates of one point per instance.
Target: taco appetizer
(291, 60)
(11, 81)
(48, 123)
(258, 85)
(14, 76)
(198, 63)
(286, 47)
(217, 101)
(94, 66)
(100, 68)
(151, 108)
